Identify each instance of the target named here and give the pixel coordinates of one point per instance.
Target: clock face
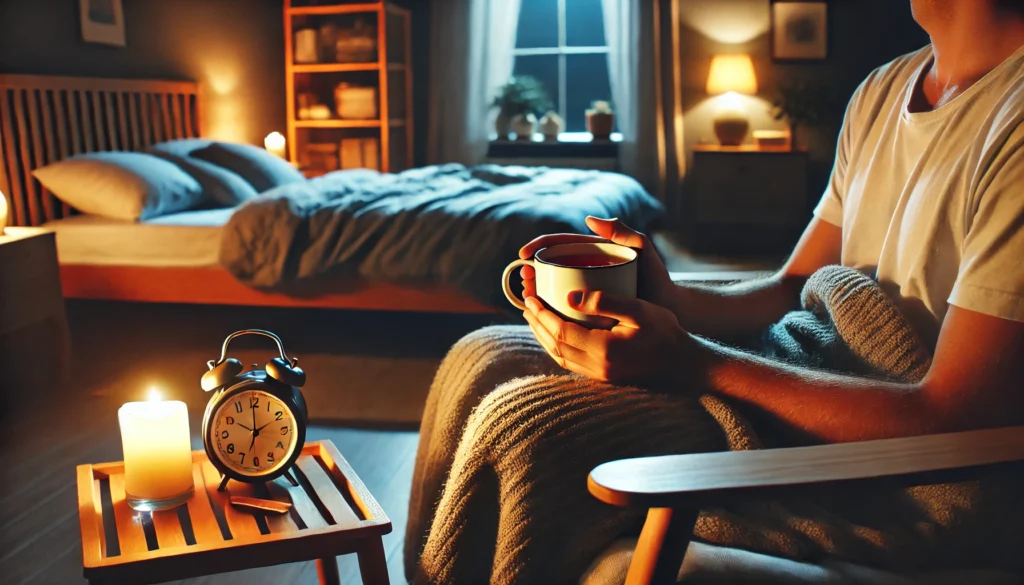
(253, 433)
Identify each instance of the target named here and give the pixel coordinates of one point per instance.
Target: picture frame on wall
(102, 22)
(799, 30)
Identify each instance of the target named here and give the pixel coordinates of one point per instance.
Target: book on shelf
(360, 153)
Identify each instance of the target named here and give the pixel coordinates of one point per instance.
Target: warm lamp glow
(732, 73)
(3, 212)
(275, 144)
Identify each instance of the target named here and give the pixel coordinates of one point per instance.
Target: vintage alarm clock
(255, 423)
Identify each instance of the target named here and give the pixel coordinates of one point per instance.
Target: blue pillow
(222, 187)
(261, 169)
(123, 185)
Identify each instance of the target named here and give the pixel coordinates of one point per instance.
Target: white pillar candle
(157, 453)
(275, 144)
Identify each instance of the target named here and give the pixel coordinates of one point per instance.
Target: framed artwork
(799, 30)
(102, 21)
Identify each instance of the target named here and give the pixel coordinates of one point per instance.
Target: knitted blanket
(508, 438)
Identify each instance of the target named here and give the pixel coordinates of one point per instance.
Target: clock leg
(327, 569)
(223, 483)
(373, 565)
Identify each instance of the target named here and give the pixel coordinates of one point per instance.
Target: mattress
(187, 239)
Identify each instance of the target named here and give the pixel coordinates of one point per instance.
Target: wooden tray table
(332, 514)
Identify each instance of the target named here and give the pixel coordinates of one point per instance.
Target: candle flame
(154, 395)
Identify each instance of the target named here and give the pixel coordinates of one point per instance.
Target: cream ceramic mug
(588, 266)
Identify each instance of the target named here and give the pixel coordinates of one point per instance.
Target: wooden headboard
(45, 119)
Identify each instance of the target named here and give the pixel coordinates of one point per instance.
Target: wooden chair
(675, 487)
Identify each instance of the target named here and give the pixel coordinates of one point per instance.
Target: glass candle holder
(157, 454)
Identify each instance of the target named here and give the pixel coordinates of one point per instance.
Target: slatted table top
(332, 513)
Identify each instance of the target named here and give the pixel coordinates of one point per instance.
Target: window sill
(569, 145)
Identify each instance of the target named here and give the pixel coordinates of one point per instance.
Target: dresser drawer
(750, 187)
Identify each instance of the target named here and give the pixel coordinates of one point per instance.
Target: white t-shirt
(932, 203)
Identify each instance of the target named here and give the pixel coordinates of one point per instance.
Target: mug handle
(505, 286)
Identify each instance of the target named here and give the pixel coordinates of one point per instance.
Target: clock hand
(263, 427)
(244, 427)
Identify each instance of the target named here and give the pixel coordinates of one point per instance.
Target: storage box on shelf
(349, 82)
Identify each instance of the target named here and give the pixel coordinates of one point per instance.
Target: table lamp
(730, 76)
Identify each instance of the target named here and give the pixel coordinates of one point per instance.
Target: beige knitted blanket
(508, 438)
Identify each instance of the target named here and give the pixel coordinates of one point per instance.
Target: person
(926, 196)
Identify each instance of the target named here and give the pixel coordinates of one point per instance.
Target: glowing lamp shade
(3, 213)
(732, 73)
(275, 144)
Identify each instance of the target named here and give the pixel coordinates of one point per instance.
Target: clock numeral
(278, 414)
(268, 406)
(224, 435)
(270, 457)
(231, 448)
(241, 459)
(280, 445)
(284, 430)
(256, 461)
(229, 420)
(254, 403)
(238, 407)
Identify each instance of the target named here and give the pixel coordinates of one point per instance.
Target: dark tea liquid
(587, 260)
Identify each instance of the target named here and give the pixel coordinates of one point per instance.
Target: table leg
(373, 565)
(327, 569)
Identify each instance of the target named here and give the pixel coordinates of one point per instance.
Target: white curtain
(471, 57)
(641, 83)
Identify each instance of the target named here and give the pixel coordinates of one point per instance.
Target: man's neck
(969, 41)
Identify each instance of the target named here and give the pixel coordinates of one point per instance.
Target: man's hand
(647, 344)
(654, 283)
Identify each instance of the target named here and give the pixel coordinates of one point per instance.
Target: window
(562, 44)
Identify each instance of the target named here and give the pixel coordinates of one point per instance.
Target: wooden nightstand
(748, 199)
(34, 343)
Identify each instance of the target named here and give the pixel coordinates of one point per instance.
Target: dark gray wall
(234, 48)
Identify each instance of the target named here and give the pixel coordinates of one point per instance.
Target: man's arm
(744, 308)
(976, 380)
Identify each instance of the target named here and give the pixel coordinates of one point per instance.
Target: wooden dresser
(747, 199)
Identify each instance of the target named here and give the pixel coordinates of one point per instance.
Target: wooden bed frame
(45, 119)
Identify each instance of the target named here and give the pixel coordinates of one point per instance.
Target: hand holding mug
(653, 282)
(591, 266)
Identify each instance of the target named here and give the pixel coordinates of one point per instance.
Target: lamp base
(731, 130)
(148, 505)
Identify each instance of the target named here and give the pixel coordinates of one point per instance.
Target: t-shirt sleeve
(830, 208)
(991, 277)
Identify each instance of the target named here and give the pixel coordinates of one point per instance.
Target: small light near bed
(730, 76)
(3, 212)
(275, 144)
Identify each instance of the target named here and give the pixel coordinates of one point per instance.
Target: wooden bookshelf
(390, 74)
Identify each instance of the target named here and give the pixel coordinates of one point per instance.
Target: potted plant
(801, 105)
(551, 125)
(600, 120)
(522, 96)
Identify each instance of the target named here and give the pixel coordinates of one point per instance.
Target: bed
(179, 258)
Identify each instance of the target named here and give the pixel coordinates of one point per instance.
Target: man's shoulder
(897, 72)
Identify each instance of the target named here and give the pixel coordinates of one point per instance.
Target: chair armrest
(718, 277)
(685, 480)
